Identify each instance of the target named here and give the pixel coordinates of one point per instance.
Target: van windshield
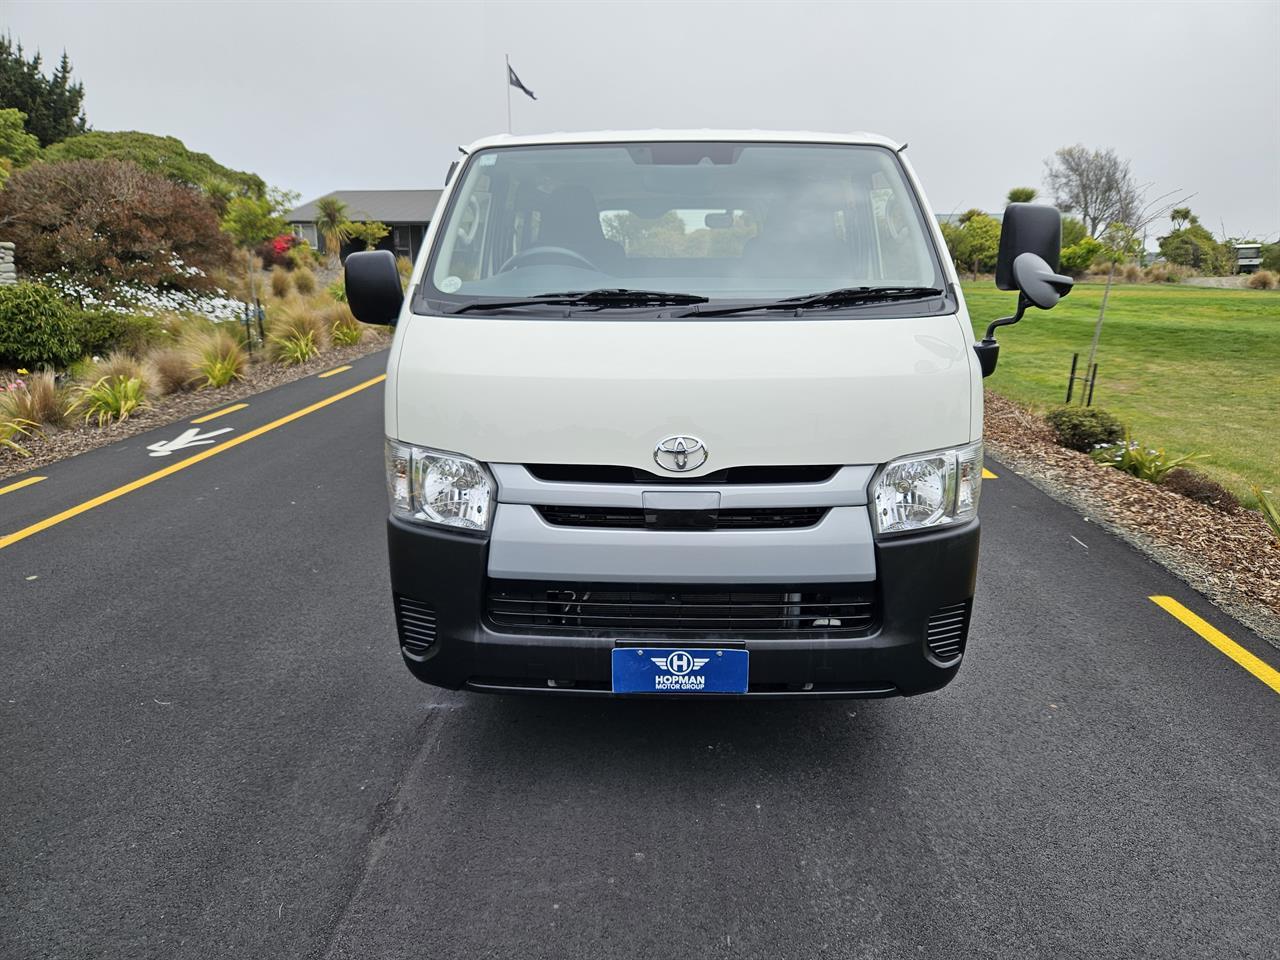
(721, 220)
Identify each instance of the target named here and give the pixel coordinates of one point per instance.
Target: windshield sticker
(451, 284)
(488, 160)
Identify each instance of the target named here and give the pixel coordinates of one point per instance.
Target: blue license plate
(679, 670)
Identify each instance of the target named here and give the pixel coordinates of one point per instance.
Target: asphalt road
(209, 748)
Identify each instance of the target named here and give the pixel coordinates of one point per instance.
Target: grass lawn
(1191, 369)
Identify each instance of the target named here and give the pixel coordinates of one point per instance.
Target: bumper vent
(630, 518)
(416, 622)
(616, 610)
(946, 631)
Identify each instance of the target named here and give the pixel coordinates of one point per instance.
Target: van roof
(643, 136)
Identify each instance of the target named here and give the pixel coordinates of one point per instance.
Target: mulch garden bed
(1233, 558)
(58, 444)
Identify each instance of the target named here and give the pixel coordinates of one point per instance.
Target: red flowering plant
(275, 252)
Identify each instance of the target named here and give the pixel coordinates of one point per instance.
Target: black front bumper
(440, 579)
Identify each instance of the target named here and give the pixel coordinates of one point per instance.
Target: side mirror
(373, 287)
(1027, 228)
(1037, 281)
(1030, 244)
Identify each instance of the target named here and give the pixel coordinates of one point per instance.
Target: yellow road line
(20, 484)
(181, 465)
(1263, 671)
(219, 413)
(330, 373)
(988, 475)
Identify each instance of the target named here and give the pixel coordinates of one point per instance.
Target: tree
(109, 221)
(368, 232)
(17, 147)
(1096, 184)
(167, 156)
(249, 221)
(1022, 194)
(1192, 245)
(1073, 232)
(332, 225)
(973, 241)
(52, 105)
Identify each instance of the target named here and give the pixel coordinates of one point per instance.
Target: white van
(686, 413)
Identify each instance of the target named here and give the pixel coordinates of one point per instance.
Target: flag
(514, 81)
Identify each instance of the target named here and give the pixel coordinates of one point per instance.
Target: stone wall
(8, 272)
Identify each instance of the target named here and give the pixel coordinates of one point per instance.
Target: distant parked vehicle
(1248, 257)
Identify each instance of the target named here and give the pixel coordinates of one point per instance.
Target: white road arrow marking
(188, 438)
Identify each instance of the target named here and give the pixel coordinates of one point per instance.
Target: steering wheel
(535, 256)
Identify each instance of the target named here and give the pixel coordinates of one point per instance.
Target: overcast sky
(320, 96)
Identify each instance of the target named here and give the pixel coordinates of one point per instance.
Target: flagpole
(507, 78)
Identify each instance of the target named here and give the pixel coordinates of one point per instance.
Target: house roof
(389, 206)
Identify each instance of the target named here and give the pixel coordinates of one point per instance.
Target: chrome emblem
(678, 454)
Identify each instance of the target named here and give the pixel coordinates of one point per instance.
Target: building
(407, 212)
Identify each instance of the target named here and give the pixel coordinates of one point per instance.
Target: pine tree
(53, 105)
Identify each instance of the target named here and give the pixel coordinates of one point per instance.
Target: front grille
(591, 473)
(634, 518)
(625, 609)
(946, 631)
(416, 622)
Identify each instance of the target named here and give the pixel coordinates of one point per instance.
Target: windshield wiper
(612, 297)
(842, 297)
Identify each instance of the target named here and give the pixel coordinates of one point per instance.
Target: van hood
(755, 392)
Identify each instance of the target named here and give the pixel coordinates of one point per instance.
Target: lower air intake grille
(748, 518)
(946, 631)
(416, 622)
(614, 609)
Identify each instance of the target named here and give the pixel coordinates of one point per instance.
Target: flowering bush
(275, 252)
(124, 298)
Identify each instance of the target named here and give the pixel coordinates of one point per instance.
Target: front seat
(571, 219)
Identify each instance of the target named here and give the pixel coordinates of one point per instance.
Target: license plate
(679, 670)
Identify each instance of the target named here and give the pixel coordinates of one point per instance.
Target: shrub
(170, 369)
(36, 327)
(276, 251)
(120, 365)
(167, 156)
(303, 256)
(338, 290)
(297, 333)
(1194, 485)
(294, 348)
(1263, 280)
(345, 329)
(1083, 428)
(1270, 510)
(1131, 273)
(296, 318)
(1141, 462)
(280, 281)
(404, 266)
(15, 428)
(304, 281)
(37, 399)
(100, 331)
(1166, 273)
(110, 399)
(107, 222)
(1076, 259)
(217, 359)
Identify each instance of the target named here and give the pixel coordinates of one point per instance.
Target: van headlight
(928, 490)
(430, 486)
